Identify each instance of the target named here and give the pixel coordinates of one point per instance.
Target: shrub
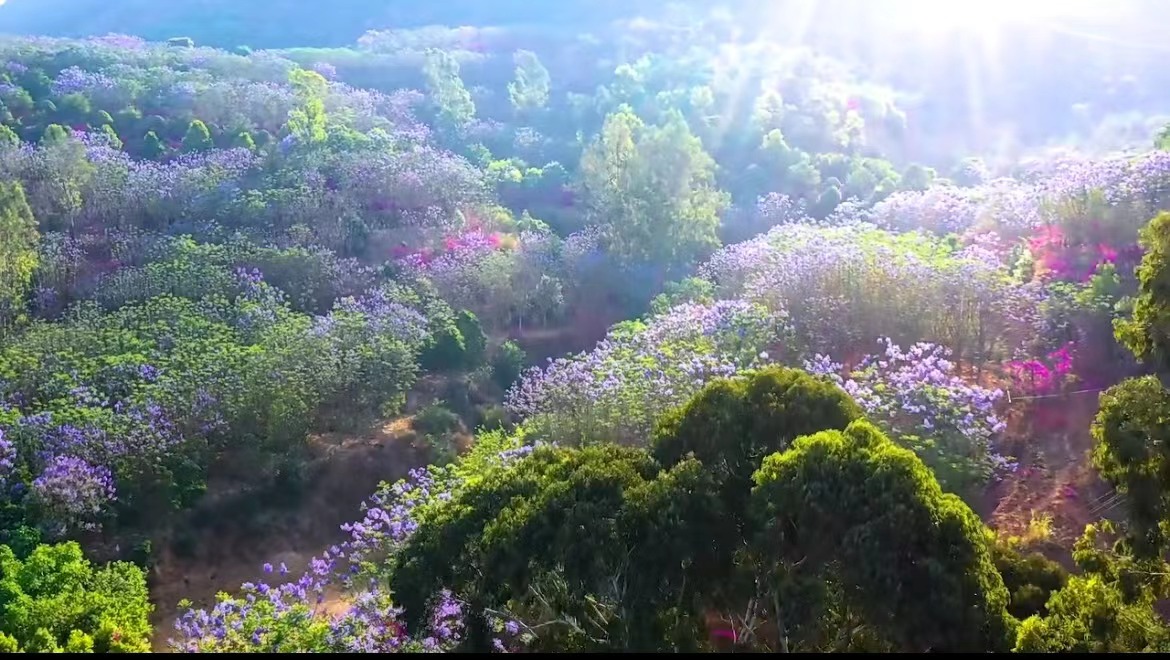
(507, 364)
(56, 598)
(1030, 579)
(447, 350)
(474, 339)
(732, 424)
(436, 419)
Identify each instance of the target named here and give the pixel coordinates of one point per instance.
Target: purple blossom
(77, 80)
(841, 286)
(617, 391)
(916, 394)
(327, 70)
(73, 493)
(7, 460)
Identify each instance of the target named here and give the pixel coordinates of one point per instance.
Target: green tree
(55, 134)
(854, 546)
(474, 339)
(450, 97)
(970, 172)
(1108, 608)
(911, 565)
(18, 247)
(732, 424)
(1147, 332)
(917, 177)
(198, 138)
(152, 147)
(507, 364)
(1030, 578)
(588, 511)
(652, 189)
(111, 136)
(308, 122)
(243, 140)
(55, 598)
(829, 199)
(530, 90)
(768, 114)
(1131, 450)
(128, 120)
(689, 290)
(1162, 139)
(19, 102)
(8, 138)
(74, 108)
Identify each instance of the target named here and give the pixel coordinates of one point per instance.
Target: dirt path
(347, 470)
(1055, 478)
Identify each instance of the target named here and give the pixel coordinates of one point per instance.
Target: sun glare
(979, 15)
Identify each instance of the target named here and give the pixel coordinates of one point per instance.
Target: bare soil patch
(345, 471)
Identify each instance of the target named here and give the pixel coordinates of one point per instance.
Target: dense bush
(731, 424)
(507, 364)
(132, 406)
(54, 600)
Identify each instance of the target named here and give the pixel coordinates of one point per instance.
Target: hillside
(793, 326)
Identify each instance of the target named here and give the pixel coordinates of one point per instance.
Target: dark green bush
(436, 419)
(474, 339)
(507, 364)
(731, 425)
(1030, 579)
(447, 350)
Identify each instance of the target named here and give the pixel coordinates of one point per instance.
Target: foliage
(507, 364)
(54, 600)
(145, 396)
(1030, 579)
(1144, 333)
(436, 419)
(307, 124)
(220, 253)
(198, 138)
(596, 480)
(474, 339)
(530, 90)
(18, 248)
(1131, 447)
(913, 562)
(690, 290)
(1107, 608)
(732, 424)
(451, 98)
(645, 183)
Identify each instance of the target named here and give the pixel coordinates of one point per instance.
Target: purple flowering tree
(617, 391)
(918, 398)
(844, 286)
(73, 493)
